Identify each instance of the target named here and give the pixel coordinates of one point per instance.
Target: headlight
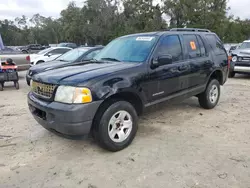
(69, 94)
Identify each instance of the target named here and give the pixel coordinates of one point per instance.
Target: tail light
(28, 58)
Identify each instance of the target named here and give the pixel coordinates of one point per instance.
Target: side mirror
(162, 60)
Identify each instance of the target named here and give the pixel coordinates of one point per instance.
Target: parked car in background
(242, 53)
(65, 44)
(230, 46)
(131, 73)
(48, 54)
(32, 48)
(72, 57)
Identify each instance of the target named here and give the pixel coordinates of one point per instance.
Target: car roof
(246, 41)
(174, 31)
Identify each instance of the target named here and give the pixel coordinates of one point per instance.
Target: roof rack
(191, 29)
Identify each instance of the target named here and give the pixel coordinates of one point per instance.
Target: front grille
(42, 89)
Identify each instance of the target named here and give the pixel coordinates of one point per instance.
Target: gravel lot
(177, 146)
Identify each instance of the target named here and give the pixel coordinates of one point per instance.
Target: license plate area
(37, 112)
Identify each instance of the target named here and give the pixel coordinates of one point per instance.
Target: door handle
(183, 68)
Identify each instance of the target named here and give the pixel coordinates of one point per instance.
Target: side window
(58, 51)
(63, 50)
(170, 45)
(192, 45)
(91, 55)
(215, 44)
(202, 46)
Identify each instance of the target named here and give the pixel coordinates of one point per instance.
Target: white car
(48, 54)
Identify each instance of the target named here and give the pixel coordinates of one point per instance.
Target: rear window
(215, 44)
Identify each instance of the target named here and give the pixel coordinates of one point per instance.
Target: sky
(10, 9)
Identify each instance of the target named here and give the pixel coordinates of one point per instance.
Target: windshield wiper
(110, 59)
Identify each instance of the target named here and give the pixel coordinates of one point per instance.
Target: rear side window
(170, 45)
(192, 46)
(215, 44)
(202, 46)
(59, 51)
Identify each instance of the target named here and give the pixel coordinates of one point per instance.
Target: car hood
(48, 66)
(78, 74)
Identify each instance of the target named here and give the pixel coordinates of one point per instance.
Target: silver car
(240, 59)
(242, 53)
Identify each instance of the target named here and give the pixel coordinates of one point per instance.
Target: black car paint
(150, 85)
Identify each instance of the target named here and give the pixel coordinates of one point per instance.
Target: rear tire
(115, 125)
(231, 74)
(210, 97)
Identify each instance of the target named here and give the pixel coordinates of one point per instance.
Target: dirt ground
(177, 146)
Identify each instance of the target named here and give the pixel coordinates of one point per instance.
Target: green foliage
(100, 21)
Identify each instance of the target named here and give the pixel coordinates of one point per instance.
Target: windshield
(245, 45)
(128, 49)
(44, 51)
(72, 55)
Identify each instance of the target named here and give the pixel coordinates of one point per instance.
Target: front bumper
(67, 119)
(240, 67)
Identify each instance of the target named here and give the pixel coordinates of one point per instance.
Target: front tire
(115, 125)
(210, 97)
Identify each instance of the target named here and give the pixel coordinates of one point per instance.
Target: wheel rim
(213, 94)
(120, 126)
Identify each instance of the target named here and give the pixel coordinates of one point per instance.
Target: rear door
(199, 59)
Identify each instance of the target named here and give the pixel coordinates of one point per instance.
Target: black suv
(106, 95)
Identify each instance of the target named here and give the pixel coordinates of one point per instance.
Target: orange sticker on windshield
(193, 46)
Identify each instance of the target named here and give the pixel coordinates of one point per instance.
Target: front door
(170, 78)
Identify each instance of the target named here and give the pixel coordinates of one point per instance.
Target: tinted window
(170, 45)
(44, 51)
(192, 46)
(215, 44)
(202, 46)
(245, 45)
